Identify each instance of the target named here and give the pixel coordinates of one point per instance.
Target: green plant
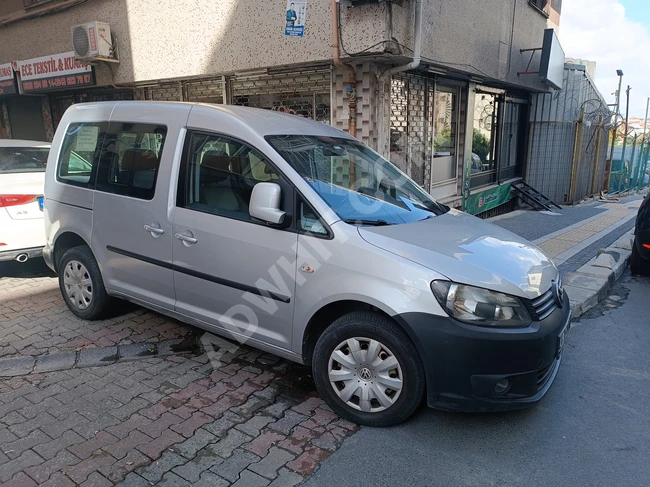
(480, 145)
(442, 140)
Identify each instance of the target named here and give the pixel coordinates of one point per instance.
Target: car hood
(471, 251)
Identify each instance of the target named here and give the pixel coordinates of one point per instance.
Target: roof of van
(23, 143)
(264, 122)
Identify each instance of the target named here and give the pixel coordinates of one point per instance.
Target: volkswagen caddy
(293, 237)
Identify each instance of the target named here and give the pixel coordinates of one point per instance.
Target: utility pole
(623, 172)
(627, 105)
(608, 162)
(640, 170)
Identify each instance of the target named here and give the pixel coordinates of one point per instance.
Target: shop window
(304, 93)
(445, 129)
(498, 138)
(510, 140)
(130, 159)
(484, 138)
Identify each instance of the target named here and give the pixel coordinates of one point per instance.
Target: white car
(22, 174)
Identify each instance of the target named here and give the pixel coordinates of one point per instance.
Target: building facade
(457, 122)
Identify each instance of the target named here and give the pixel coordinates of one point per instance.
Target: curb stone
(591, 282)
(92, 357)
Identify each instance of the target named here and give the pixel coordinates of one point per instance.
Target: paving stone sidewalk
(34, 319)
(254, 421)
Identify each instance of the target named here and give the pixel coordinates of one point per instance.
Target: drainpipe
(352, 88)
(417, 49)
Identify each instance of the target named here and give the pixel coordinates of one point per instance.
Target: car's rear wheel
(638, 265)
(81, 284)
(368, 370)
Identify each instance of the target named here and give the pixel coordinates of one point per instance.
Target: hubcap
(365, 374)
(78, 285)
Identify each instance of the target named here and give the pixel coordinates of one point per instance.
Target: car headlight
(480, 307)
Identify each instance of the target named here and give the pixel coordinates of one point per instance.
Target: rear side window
(130, 159)
(80, 153)
(23, 159)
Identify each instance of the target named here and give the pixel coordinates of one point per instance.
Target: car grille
(544, 375)
(542, 307)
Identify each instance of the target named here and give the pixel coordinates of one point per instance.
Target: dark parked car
(640, 260)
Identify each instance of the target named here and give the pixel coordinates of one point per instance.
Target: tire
(78, 271)
(367, 332)
(638, 265)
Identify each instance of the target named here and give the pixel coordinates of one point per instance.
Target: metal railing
(630, 169)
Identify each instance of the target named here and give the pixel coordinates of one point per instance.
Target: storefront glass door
(445, 129)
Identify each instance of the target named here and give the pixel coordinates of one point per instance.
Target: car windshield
(356, 182)
(23, 159)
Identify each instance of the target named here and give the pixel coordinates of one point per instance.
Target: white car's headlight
(480, 307)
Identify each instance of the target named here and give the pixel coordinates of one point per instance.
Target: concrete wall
(159, 40)
(479, 37)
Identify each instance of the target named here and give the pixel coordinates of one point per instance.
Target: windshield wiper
(377, 223)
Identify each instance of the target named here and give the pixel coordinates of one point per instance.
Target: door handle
(187, 238)
(154, 229)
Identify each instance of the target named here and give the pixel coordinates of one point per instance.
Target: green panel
(488, 199)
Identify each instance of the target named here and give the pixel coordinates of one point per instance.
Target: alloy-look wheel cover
(365, 374)
(78, 285)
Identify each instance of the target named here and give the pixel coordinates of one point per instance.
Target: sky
(615, 34)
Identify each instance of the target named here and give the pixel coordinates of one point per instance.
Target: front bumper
(12, 254)
(463, 363)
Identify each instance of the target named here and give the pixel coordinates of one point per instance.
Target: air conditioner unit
(92, 41)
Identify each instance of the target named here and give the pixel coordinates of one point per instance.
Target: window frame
(500, 172)
(455, 90)
(288, 189)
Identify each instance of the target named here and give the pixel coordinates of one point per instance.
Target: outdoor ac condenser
(92, 41)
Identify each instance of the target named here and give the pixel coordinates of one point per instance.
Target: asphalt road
(591, 429)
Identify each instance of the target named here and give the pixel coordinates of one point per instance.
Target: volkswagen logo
(364, 373)
(558, 294)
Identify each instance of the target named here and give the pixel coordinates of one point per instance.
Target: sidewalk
(574, 235)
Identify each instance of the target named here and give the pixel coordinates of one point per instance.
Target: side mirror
(265, 203)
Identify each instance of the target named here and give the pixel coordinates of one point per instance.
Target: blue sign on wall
(295, 18)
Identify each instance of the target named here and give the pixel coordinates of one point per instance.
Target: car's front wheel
(82, 285)
(368, 370)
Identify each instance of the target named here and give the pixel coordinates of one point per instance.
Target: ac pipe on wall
(352, 83)
(417, 48)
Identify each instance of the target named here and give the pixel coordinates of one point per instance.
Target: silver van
(295, 238)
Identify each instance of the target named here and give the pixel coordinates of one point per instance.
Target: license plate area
(40, 203)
